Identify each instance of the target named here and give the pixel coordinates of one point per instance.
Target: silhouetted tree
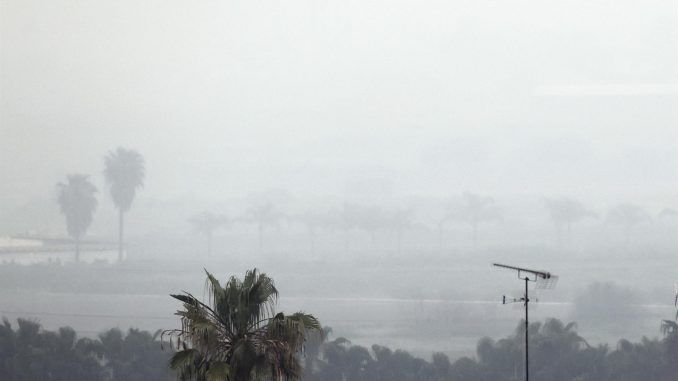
(371, 219)
(400, 221)
(77, 202)
(237, 335)
(475, 210)
(263, 215)
(627, 216)
(668, 213)
(443, 219)
(206, 223)
(29, 353)
(124, 171)
(136, 356)
(606, 304)
(314, 220)
(565, 212)
(347, 219)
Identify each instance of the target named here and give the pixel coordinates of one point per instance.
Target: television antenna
(544, 280)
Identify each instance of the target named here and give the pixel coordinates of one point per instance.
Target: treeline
(558, 353)
(27, 352)
(468, 211)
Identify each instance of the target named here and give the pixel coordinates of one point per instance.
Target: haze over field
(372, 153)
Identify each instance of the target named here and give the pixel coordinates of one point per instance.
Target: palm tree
(77, 202)
(236, 335)
(124, 173)
(564, 213)
(627, 216)
(314, 220)
(400, 221)
(206, 223)
(475, 210)
(263, 215)
(370, 219)
(440, 222)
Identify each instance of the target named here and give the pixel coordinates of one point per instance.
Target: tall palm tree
(565, 212)
(475, 210)
(124, 173)
(263, 215)
(400, 221)
(77, 202)
(206, 223)
(627, 216)
(313, 220)
(236, 335)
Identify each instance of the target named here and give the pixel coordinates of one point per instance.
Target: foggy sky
(319, 97)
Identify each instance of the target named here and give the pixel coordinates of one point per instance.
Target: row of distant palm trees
(473, 211)
(124, 171)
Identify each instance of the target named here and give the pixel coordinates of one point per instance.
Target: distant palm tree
(371, 219)
(627, 216)
(263, 215)
(77, 202)
(668, 213)
(440, 222)
(475, 210)
(206, 223)
(564, 213)
(313, 220)
(124, 172)
(236, 335)
(401, 221)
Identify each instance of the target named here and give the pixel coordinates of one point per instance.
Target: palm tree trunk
(120, 234)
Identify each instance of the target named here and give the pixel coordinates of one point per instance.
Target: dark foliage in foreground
(558, 353)
(29, 353)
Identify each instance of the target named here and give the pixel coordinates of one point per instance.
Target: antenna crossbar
(536, 273)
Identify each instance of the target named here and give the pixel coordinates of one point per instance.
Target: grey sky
(224, 97)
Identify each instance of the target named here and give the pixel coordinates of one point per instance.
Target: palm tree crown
(77, 202)
(125, 173)
(237, 335)
(206, 223)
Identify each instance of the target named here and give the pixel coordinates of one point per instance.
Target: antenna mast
(544, 280)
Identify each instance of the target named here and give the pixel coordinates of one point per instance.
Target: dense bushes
(30, 353)
(558, 353)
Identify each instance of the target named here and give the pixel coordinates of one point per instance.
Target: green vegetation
(237, 335)
(29, 353)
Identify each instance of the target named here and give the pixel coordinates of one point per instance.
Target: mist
(373, 157)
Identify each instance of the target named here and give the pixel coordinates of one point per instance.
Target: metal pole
(527, 351)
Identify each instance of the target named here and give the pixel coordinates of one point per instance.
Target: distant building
(28, 250)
